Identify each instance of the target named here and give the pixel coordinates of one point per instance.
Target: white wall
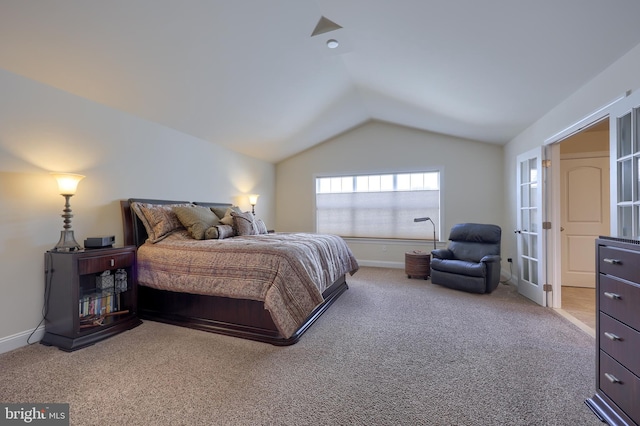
(620, 77)
(472, 179)
(43, 129)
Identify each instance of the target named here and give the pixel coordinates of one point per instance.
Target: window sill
(397, 241)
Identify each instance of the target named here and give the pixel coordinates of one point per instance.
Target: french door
(529, 235)
(624, 125)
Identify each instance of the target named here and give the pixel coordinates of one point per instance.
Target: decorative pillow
(222, 232)
(158, 219)
(226, 218)
(212, 233)
(196, 219)
(135, 206)
(243, 223)
(261, 228)
(221, 212)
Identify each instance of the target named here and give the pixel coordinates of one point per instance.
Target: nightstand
(417, 264)
(85, 303)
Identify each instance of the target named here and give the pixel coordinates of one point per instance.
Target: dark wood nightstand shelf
(84, 307)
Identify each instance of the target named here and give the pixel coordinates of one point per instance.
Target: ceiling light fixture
(332, 43)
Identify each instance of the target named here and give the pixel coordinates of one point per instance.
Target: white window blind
(379, 206)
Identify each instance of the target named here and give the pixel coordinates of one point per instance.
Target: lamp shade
(253, 199)
(67, 182)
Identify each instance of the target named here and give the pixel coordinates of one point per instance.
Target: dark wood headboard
(208, 204)
(134, 231)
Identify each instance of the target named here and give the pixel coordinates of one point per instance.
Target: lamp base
(67, 242)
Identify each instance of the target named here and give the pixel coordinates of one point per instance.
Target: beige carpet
(390, 351)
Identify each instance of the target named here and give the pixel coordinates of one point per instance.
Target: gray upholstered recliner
(472, 260)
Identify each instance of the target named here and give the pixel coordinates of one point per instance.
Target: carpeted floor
(390, 351)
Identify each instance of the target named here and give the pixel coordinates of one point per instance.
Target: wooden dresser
(617, 398)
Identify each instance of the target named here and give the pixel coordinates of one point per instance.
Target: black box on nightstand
(100, 242)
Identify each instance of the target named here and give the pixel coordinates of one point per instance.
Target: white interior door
(530, 239)
(585, 216)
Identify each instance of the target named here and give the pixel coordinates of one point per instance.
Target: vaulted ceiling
(249, 75)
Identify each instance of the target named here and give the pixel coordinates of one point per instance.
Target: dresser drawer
(620, 342)
(620, 385)
(97, 264)
(620, 300)
(619, 263)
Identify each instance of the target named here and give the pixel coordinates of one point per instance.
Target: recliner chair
(471, 262)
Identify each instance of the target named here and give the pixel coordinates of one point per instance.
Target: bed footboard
(242, 318)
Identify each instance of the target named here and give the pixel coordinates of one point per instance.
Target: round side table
(417, 264)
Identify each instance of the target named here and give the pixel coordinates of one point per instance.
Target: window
(378, 206)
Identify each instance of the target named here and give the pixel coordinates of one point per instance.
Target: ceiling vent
(325, 25)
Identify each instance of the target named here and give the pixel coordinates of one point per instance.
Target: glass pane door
(528, 234)
(624, 121)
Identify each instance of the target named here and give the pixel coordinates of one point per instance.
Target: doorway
(584, 213)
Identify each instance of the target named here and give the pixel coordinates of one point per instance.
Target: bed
(269, 287)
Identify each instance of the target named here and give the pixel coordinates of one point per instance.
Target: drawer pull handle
(612, 295)
(612, 378)
(612, 261)
(113, 262)
(612, 336)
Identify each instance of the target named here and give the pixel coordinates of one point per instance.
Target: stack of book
(99, 303)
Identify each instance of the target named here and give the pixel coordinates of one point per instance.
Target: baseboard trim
(19, 340)
(582, 326)
(507, 278)
(381, 264)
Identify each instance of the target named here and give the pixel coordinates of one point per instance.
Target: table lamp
(67, 185)
(253, 200)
